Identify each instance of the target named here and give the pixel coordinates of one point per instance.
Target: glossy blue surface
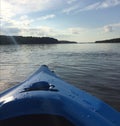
(45, 93)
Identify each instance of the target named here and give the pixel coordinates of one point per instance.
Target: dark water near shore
(94, 68)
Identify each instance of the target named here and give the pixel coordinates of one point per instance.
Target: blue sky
(73, 20)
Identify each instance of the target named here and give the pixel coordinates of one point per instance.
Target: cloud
(11, 8)
(70, 9)
(41, 31)
(22, 22)
(46, 17)
(91, 7)
(100, 5)
(6, 9)
(109, 3)
(82, 6)
(23, 17)
(14, 27)
(108, 28)
(75, 30)
(71, 1)
(111, 27)
(10, 31)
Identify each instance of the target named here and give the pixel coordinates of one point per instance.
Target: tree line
(116, 40)
(9, 40)
(26, 40)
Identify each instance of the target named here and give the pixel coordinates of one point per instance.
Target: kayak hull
(45, 94)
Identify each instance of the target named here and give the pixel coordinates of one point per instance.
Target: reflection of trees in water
(34, 47)
(9, 48)
(46, 46)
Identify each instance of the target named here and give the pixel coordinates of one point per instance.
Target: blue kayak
(46, 100)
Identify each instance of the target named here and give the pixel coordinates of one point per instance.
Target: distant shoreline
(116, 40)
(12, 40)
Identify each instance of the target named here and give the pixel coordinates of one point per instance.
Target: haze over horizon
(72, 20)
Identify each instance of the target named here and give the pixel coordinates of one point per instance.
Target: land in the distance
(116, 40)
(9, 40)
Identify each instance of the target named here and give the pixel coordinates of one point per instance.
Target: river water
(92, 67)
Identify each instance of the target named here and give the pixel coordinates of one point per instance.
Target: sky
(72, 20)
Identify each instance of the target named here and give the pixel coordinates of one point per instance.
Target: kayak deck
(46, 96)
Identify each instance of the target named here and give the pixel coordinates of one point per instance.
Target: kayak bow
(45, 99)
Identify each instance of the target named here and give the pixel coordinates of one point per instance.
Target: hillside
(116, 40)
(9, 40)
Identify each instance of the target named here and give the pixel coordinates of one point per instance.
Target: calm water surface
(94, 68)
